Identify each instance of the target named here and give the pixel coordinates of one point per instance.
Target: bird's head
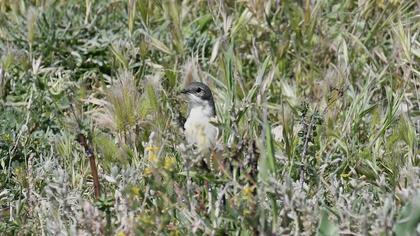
(199, 95)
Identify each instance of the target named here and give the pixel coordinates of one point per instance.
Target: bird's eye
(198, 90)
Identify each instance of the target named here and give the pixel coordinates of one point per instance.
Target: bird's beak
(184, 91)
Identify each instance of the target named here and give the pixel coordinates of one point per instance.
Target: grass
(317, 101)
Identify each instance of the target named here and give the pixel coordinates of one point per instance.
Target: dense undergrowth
(317, 102)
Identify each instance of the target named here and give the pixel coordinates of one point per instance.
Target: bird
(198, 128)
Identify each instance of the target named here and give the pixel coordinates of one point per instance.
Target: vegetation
(317, 101)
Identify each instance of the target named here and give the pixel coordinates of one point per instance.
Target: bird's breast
(199, 131)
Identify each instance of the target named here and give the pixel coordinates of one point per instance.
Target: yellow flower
(135, 191)
(169, 163)
(174, 233)
(344, 175)
(152, 149)
(247, 191)
(380, 3)
(247, 212)
(121, 233)
(152, 153)
(147, 171)
(153, 158)
(144, 219)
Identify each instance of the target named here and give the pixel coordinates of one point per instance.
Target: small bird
(199, 131)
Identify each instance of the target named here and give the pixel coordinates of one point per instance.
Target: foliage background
(317, 102)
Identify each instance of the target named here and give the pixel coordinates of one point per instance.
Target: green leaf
(267, 162)
(119, 56)
(203, 22)
(229, 72)
(157, 44)
(409, 218)
(151, 94)
(326, 227)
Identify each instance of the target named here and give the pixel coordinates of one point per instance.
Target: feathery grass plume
(174, 12)
(190, 73)
(151, 106)
(124, 52)
(88, 7)
(120, 109)
(31, 18)
(3, 83)
(132, 9)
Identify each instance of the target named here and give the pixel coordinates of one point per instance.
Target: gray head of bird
(199, 95)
